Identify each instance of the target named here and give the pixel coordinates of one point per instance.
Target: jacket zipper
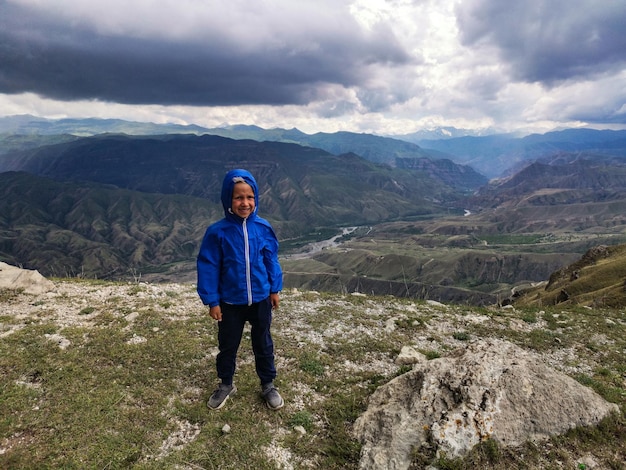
(247, 255)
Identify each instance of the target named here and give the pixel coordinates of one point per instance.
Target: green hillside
(597, 279)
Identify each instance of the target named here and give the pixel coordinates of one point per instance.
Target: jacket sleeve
(270, 259)
(208, 267)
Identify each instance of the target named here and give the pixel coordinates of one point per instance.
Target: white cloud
(386, 66)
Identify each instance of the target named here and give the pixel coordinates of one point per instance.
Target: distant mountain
(241, 131)
(499, 155)
(31, 125)
(303, 184)
(573, 173)
(371, 147)
(492, 155)
(441, 133)
(572, 192)
(15, 142)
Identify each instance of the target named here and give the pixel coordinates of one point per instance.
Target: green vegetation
(597, 279)
(7, 295)
(311, 365)
(302, 418)
(461, 335)
(431, 354)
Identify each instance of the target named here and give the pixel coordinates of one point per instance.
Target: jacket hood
(231, 178)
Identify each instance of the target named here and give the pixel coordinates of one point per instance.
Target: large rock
(491, 389)
(30, 281)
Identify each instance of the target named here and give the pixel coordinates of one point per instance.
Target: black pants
(230, 331)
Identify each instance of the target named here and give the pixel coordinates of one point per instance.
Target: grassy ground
(105, 375)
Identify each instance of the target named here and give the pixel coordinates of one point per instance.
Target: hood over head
(233, 177)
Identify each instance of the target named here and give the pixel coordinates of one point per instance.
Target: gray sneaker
(271, 396)
(220, 395)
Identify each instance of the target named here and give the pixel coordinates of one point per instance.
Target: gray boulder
(30, 281)
(491, 389)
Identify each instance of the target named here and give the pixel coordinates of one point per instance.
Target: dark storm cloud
(549, 41)
(74, 61)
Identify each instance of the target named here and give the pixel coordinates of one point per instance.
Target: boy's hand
(275, 300)
(216, 313)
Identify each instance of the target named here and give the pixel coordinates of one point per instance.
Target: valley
(420, 260)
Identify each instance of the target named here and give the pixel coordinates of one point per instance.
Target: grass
(7, 295)
(461, 335)
(130, 389)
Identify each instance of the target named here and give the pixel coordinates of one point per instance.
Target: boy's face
(243, 200)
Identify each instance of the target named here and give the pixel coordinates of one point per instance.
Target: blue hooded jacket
(238, 259)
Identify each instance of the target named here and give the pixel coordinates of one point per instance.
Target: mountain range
(110, 203)
(300, 185)
(493, 155)
(109, 198)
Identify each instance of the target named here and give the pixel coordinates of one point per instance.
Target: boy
(239, 278)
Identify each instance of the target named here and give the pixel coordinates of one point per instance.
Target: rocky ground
(329, 322)
(80, 303)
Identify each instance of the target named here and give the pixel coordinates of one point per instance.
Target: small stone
(409, 356)
(226, 429)
(300, 430)
(390, 325)
(62, 342)
(136, 339)
(131, 317)
(588, 463)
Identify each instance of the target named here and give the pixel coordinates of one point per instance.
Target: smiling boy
(239, 279)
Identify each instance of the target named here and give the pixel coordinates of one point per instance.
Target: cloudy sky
(379, 66)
